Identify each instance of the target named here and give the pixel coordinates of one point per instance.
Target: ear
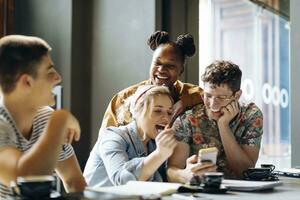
(238, 94)
(25, 81)
(181, 70)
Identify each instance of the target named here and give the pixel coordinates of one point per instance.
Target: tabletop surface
(290, 190)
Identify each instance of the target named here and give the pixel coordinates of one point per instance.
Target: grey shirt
(11, 136)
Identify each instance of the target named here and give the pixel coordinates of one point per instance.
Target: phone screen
(208, 154)
(189, 196)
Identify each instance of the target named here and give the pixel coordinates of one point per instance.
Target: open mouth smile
(162, 77)
(215, 110)
(160, 127)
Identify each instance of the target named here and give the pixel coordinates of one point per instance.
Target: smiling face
(216, 97)
(166, 65)
(157, 116)
(42, 85)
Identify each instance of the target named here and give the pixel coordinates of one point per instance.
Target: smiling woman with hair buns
(168, 63)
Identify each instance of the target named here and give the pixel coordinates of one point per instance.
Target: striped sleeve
(7, 138)
(5, 192)
(7, 135)
(42, 118)
(66, 152)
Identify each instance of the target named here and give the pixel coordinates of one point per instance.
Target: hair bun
(186, 42)
(157, 38)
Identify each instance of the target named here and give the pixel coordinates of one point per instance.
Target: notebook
(140, 188)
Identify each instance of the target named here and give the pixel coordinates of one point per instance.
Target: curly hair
(223, 72)
(184, 44)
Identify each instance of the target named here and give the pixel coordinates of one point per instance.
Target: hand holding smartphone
(208, 154)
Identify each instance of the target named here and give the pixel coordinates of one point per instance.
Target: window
(258, 41)
(6, 12)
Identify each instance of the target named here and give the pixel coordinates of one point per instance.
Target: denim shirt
(118, 157)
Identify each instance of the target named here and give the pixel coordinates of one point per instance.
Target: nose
(57, 77)
(213, 103)
(161, 68)
(166, 118)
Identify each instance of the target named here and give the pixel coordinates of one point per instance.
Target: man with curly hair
(235, 129)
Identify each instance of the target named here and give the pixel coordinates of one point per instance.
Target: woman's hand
(165, 143)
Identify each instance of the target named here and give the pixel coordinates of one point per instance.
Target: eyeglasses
(218, 99)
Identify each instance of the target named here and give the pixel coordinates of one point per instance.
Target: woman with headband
(137, 151)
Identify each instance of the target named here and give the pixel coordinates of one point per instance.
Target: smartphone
(188, 196)
(208, 154)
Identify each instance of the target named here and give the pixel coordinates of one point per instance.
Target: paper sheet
(140, 188)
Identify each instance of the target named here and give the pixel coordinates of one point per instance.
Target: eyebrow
(169, 60)
(224, 95)
(160, 106)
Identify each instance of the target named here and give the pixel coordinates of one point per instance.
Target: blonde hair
(137, 104)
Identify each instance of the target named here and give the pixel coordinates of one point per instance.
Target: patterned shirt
(10, 136)
(196, 129)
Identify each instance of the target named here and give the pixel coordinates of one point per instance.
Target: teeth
(159, 127)
(213, 110)
(162, 77)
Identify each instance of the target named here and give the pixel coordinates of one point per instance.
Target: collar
(137, 142)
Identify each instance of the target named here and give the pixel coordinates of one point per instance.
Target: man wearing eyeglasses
(235, 129)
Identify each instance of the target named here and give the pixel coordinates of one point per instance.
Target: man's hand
(193, 167)
(229, 112)
(71, 126)
(73, 131)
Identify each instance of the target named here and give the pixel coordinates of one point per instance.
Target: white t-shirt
(11, 136)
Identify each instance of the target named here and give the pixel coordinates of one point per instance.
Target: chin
(160, 82)
(214, 115)
(51, 102)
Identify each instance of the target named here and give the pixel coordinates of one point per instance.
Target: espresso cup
(270, 166)
(34, 187)
(212, 179)
(258, 173)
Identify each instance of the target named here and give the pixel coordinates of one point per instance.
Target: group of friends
(151, 131)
